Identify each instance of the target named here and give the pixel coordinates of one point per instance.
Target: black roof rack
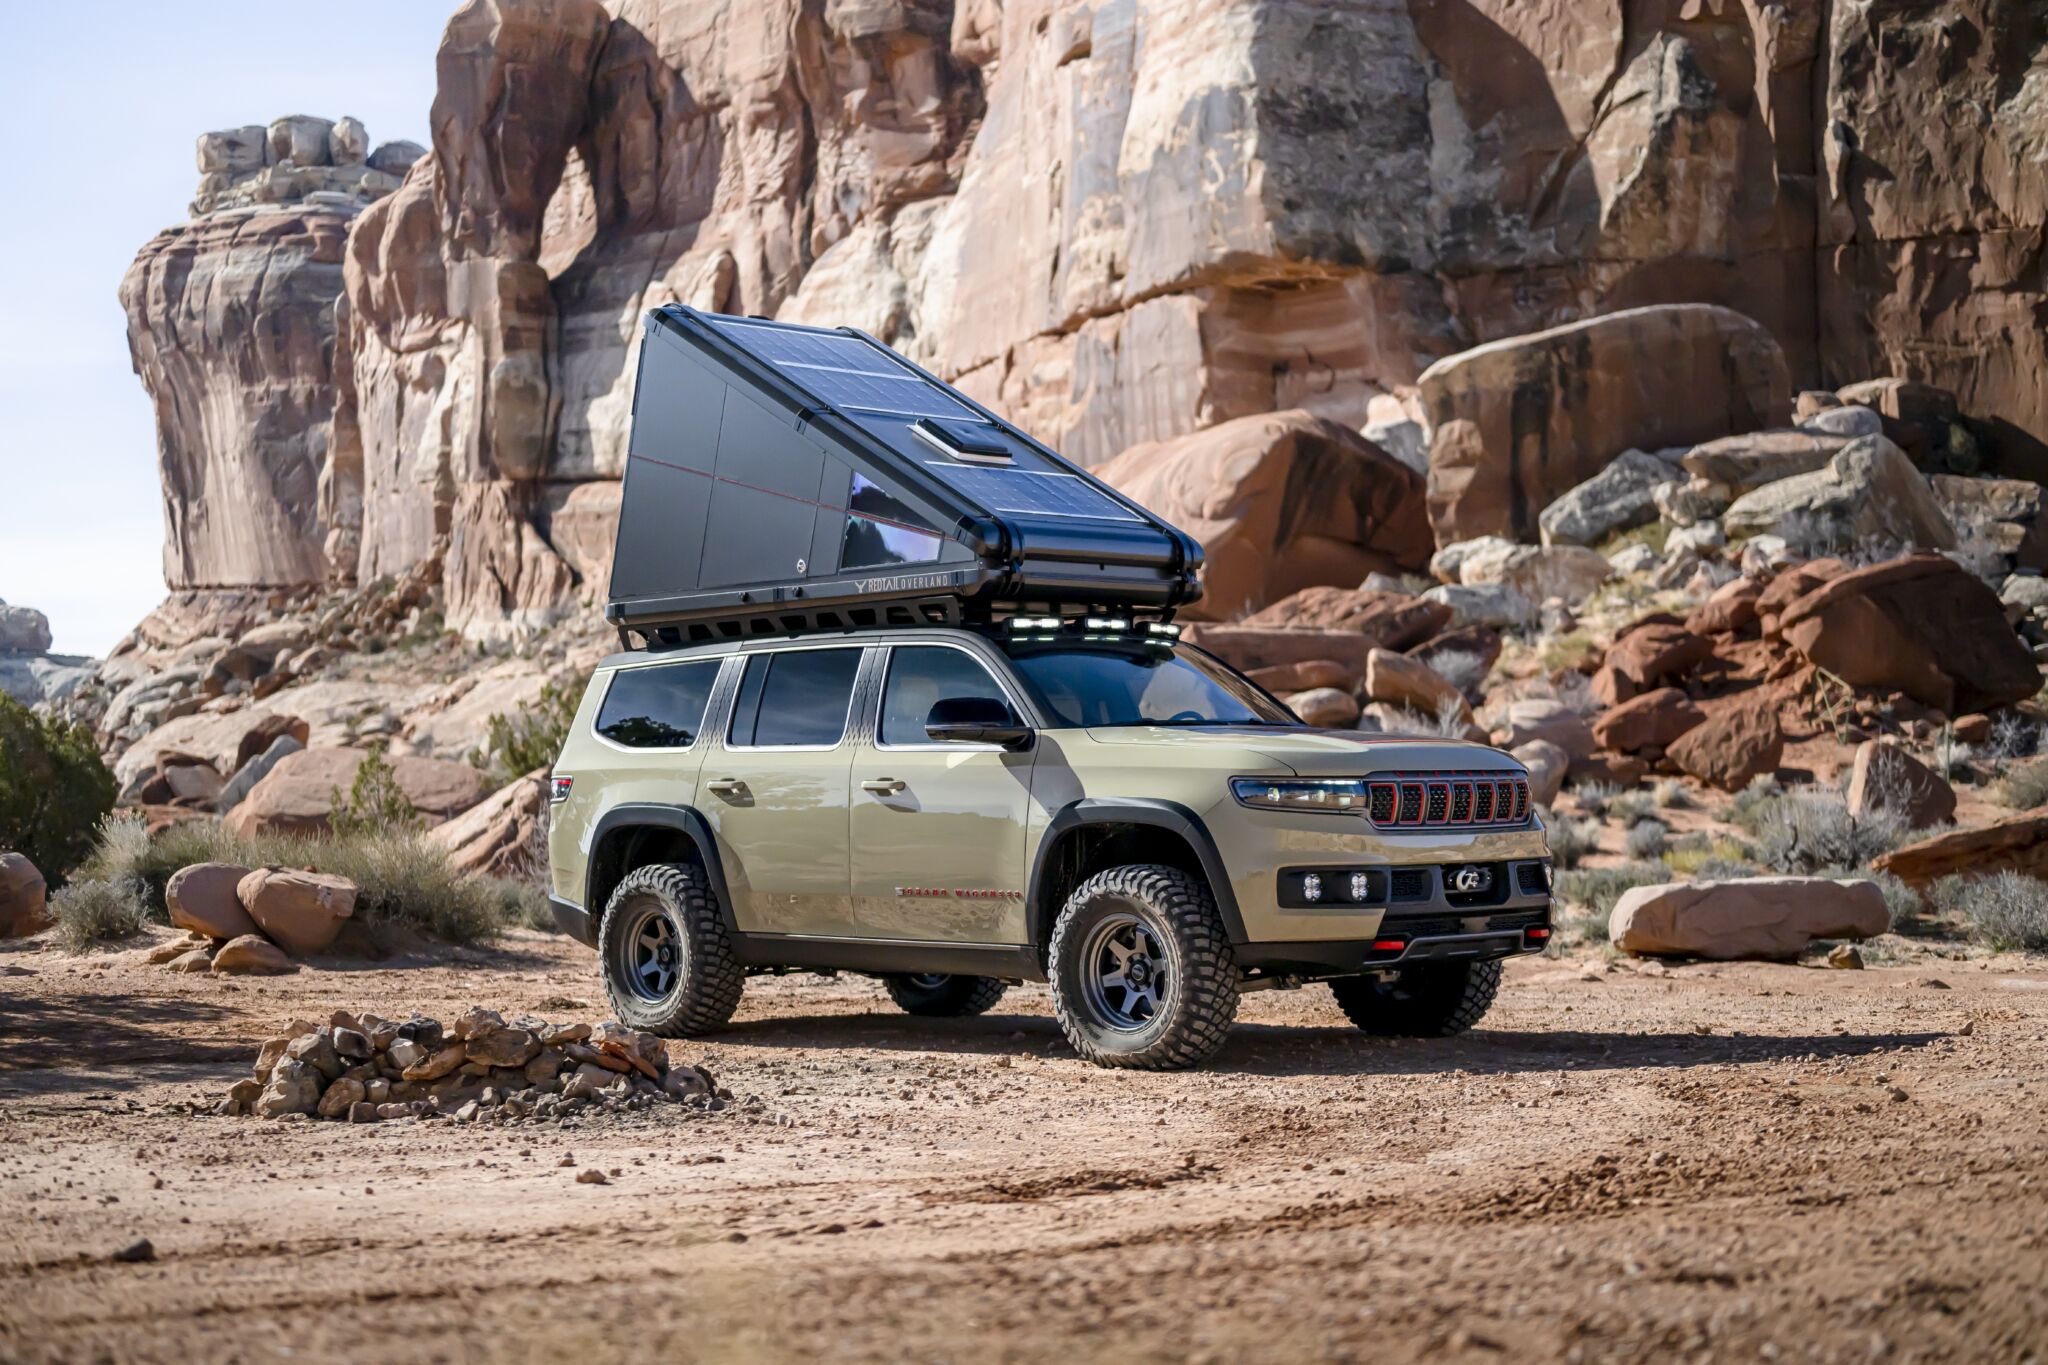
(785, 479)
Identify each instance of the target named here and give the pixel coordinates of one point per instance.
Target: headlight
(1294, 794)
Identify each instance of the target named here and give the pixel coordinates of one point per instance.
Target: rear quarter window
(660, 707)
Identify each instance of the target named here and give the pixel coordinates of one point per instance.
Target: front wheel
(1142, 972)
(1427, 1000)
(935, 995)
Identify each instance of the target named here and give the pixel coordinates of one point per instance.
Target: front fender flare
(1147, 811)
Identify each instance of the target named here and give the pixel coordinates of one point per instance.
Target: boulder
(1688, 502)
(1520, 421)
(501, 1046)
(1869, 493)
(1481, 643)
(2005, 513)
(1730, 609)
(202, 897)
(1848, 420)
(1325, 707)
(1548, 767)
(191, 781)
(1884, 777)
(1653, 720)
(499, 834)
(24, 904)
(297, 795)
(1620, 497)
(1755, 917)
(1920, 419)
(1494, 605)
(1401, 681)
(23, 630)
(1921, 625)
(1647, 656)
(1551, 721)
(303, 911)
(1249, 647)
(2018, 843)
(252, 955)
(1739, 741)
(253, 771)
(1391, 620)
(1305, 676)
(1538, 573)
(1280, 502)
(1756, 458)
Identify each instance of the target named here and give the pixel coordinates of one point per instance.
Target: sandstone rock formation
(1280, 503)
(28, 671)
(1118, 224)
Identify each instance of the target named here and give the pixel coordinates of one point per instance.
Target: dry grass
(92, 911)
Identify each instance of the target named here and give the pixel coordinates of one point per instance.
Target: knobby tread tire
(1430, 1000)
(1205, 1001)
(957, 998)
(712, 977)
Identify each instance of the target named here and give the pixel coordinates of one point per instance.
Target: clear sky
(99, 105)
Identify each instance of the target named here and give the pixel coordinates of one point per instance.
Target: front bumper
(1425, 919)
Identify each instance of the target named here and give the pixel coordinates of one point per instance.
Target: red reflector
(1389, 945)
(1537, 933)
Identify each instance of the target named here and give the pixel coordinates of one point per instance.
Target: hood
(1313, 753)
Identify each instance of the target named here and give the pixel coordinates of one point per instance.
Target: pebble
(592, 1176)
(139, 1250)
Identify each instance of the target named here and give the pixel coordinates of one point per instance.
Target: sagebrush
(94, 910)
(2007, 911)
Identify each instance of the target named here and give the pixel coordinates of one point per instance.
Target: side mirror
(976, 720)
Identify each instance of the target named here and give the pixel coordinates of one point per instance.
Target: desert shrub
(2025, 787)
(532, 738)
(54, 791)
(1596, 889)
(1672, 794)
(1720, 869)
(1692, 855)
(1646, 840)
(1569, 839)
(90, 911)
(1595, 797)
(2005, 911)
(1812, 831)
(1901, 900)
(1461, 668)
(375, 803)
(2015, 735)
(1567, 651)
(1630, 807)
(402, 879)
(1746, 811)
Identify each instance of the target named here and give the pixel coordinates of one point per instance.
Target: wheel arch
(1091, 834)
(636, 834)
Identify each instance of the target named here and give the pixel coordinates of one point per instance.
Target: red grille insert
(1447, 800)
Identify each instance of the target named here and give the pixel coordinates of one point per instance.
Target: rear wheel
(936, 995)
(668, 964)
(1427, 1000)
(1142, 972)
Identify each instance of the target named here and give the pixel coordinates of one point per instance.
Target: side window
(659, 707)
(921, 675)
(797, 696)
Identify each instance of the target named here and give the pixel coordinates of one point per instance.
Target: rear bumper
(574, 921)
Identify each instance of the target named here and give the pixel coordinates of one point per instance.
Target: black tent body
(783, 479)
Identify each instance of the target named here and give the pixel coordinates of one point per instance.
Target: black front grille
(1482, 803)
(1411, 884)
(1517, 919)
(1447, 799)
(1411, 802)
(1380, 805)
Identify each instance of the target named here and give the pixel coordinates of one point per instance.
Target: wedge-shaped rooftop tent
(784, 479)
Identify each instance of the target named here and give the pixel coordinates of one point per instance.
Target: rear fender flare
(684, 819)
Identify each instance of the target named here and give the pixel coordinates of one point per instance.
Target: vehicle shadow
(107, 1041)
(1297, 1050)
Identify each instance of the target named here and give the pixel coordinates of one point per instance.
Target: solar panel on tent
(1018, 490)
(846, 372)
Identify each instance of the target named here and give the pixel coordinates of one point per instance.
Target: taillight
(558, 789)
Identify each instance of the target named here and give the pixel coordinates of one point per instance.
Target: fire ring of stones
(482, 1068)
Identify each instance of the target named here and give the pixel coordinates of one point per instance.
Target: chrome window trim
(846, 721)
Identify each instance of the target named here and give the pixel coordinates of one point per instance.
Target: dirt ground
(1707, 1162)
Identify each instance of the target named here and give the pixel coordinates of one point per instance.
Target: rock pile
(482, 1068)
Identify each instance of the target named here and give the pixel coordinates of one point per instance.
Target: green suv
(1087, 801)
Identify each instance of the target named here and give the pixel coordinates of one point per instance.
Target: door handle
(883, 786)
(725, 786)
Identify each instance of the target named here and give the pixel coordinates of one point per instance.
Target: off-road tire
(1200, 998)
(1427, 1000)
(710, 978)
(944, 997)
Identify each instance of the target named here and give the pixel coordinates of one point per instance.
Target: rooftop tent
(784, 478)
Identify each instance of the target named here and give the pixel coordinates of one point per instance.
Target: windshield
(1137, 682)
